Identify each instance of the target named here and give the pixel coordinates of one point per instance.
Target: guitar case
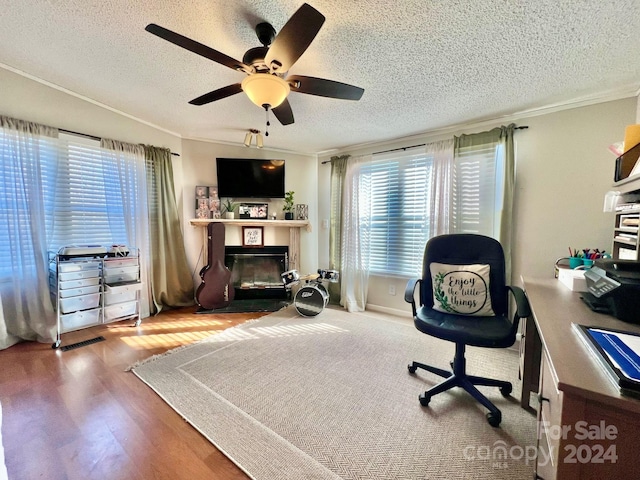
(216, 290)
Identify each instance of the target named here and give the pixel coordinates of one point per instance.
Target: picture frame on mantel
(252, 236)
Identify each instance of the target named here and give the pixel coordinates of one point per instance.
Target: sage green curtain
(338, 172)
(171, 282)
(500, 136)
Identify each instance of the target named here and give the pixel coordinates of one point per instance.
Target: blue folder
(620, 360)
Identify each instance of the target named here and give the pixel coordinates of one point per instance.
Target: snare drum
(311, 299)
(331, 275)
(290, 278)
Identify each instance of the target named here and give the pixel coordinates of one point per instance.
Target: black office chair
(460, 312)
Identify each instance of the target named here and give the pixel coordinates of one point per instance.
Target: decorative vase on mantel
(229, 215)
(288, 215)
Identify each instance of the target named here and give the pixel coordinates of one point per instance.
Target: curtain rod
(414, 146)
(93, 137)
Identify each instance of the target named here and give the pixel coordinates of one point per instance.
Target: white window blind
(399, 183)
(86, 190)
(477, 189)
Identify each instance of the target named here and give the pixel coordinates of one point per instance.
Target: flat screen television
(250, 178)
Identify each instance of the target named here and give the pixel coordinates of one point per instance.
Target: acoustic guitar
(216, 290)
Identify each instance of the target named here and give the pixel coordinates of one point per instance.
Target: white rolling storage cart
(93, 285)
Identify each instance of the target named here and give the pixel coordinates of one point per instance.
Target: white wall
(32, 101)
(563, 172)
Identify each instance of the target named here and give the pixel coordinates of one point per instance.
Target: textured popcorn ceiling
(424, 64)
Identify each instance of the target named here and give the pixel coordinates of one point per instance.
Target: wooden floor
(80, 415)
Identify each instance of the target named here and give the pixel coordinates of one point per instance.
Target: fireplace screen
(256, 272)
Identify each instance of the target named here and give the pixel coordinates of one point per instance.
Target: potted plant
(229, 208)
(288, 205)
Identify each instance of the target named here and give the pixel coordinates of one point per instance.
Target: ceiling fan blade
(197, 48)
(294, 38)
(324, 88)
(218, 94)
(283, 113)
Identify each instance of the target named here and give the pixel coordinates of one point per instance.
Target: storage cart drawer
(121, 262)
(63, 277)
(78, 320)
(74, 292)
(65, 267)
(121, 274)
(82, 302)
(85, 282)
(122, 293)
(119, 310)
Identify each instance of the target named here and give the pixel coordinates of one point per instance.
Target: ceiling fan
(267, 83)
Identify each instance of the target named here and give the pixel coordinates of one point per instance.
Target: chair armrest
(523, 310)
(409, 293)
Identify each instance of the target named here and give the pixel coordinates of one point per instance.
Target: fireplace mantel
(294, 227)
(203, 222)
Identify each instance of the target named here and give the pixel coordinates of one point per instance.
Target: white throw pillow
(461, 289)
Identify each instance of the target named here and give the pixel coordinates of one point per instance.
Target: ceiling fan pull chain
(266, 111)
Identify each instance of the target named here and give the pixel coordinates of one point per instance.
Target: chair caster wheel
(494, 419)
(506, 390)
(424, 400)
(412, 368)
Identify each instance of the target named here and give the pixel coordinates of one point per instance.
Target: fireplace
(256, 272)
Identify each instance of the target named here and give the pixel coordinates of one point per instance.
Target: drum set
(310, 298)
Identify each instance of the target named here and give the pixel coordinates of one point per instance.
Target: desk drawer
(545, 467)
(550, 418)
(551, 403)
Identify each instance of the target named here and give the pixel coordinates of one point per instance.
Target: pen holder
(575, 262)
(588, 263)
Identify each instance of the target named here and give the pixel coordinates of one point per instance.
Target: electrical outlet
(392, 289)
(325, 224)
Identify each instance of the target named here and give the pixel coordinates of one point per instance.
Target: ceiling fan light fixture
(247, 139)
(265, 89)
(259, 143)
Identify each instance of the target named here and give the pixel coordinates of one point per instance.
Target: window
(404, 187)
(88, 194)
(400, 184)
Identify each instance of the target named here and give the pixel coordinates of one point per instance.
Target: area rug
(330, 397)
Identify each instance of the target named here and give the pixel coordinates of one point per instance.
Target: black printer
(614, 288)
